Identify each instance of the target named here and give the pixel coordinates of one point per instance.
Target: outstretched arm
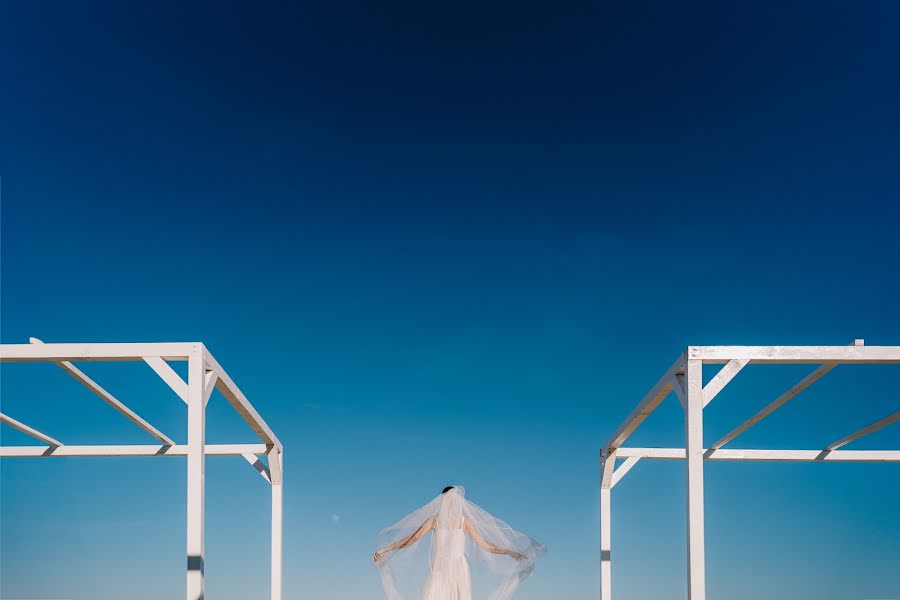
(473, 533)
(419, 533)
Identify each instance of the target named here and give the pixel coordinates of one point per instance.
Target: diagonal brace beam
(775, 404)
(19, 426)
(258, 464)
(168, 374)
(723, 378)
(110, 399)
(892, 418)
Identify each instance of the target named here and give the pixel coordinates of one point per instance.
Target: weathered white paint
(168, 374)
(240, 403)
(19, 426)
(276, 465)
(196, 475)
(92, 352)
(696, 543)
(605, 545)
(776, 404)
(892, 418)
(92, 385)
(722, 378)
(622, 469)
(136, 451)
(797, 354)
(766, 455)
(653, 398)
(257, 464)
(209, 385)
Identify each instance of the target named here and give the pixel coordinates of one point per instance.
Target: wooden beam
(797, 354)
(95, 387)
(678, 387)
(722, 378)
(775, 404)
(767, 455)
(209, 385)
(892, 418)
(695, 517)
(19, 426)
(258, 464)
(653, 398)
(240, 403)
(61, 451)
(168, 374)
(92, 352)
(622, 469)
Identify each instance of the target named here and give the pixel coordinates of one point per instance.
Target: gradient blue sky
(450, 244)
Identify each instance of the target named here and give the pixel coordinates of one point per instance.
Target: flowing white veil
(404, 571)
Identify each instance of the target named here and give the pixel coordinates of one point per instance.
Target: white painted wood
(168, 374)
(797, 354)
(605, 544)
(767, 455)
(608, 468)
(622, 469)
(274, 455)
(653, 398)
(236, 398)
(776, 404)
(276, 464)
(92, 352)
(196, 466)
(722, 378)
(257, 464)
(678, 387)
(138, 451)
(19, 426)
(209, 385)
(892, 418)
(696, 544)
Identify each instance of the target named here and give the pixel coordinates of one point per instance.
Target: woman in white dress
(461, 532)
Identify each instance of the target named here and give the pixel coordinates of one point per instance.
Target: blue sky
(449, 244)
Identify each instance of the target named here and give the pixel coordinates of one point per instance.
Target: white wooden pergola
(685, 378)
(204, 375)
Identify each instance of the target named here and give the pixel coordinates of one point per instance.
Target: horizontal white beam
(99, 451)
(892, 418)
(653, 398)
(19, 426)
(797, 354)
(775, 404)
(782, 455)
(93, 352)
(240, 403)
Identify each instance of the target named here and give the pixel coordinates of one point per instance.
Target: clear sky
(443, 243)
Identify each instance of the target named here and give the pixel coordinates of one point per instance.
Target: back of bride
(462, 536)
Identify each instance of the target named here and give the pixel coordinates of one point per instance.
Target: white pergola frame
(204, 375)
(685, 378)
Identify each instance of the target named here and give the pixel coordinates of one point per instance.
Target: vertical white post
(696, 554)
(195, 474)
(605, 539)
(277, 504)
(607, 466)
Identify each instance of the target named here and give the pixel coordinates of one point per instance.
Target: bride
(463, 533)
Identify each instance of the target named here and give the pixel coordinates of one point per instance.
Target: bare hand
(377, 556)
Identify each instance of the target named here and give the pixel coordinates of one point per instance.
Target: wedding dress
(441, 571)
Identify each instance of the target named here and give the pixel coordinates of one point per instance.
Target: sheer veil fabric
(448, 564)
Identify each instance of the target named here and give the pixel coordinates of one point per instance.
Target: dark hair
(447, 489)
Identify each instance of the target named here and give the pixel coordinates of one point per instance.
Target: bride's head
(448, 488)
